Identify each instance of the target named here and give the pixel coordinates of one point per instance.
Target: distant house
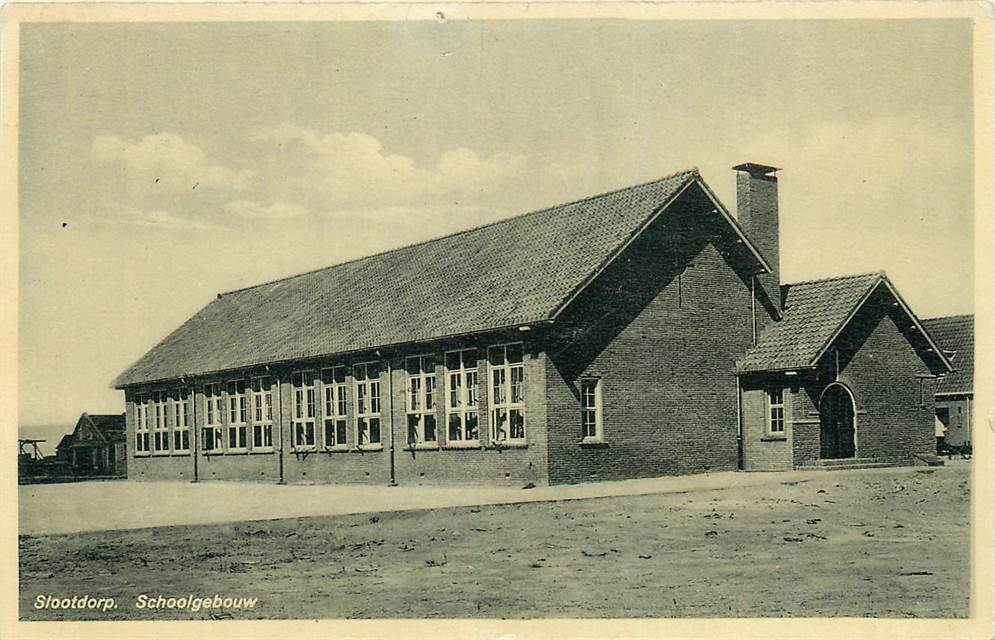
(96, 447)
(640, 332)
(955, 392)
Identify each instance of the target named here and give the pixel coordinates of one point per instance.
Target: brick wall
(763, 451)
(959, 424)
(661, 328)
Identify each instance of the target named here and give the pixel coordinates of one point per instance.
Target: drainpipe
(753, 305)
(390, 421)
(279, 397)
(739, 424)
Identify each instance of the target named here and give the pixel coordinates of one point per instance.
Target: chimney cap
(756, 170)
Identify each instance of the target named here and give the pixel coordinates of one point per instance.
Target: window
(160, 432)
(181, 421)
(262, 413)
(237, 416)
(507, 393)
(461, 403)
(367, 378)
(333, 387)
(590, 408)
(775, 410)
(421, 399)
(302, 420)
(213, 410)
(142, 423)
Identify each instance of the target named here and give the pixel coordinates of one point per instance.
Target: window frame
(304, 410)
(776, 427)
(335, 395)
(161, 445)
(597, 409)
(508, 368)
(461, 406)
(181, 420)
(143, 438)
(365, 412)
(425, 380)
(214, 413)
(240, 428)
(261, 403)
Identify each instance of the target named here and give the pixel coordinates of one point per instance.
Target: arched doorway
(836, 413)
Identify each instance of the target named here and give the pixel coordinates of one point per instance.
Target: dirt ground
(878, 543)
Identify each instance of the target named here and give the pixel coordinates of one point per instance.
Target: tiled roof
(813, 312)
(512, 272)
(956, 334)
(111, 426)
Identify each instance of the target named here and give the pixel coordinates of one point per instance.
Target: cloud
(353, 169)
(274, 211)
(116, 215)
(165, 163)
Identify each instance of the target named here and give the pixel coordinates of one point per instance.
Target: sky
(161, 164)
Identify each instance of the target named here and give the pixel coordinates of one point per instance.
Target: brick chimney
(756, 209)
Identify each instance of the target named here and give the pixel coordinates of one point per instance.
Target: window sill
(370, 447)
(237, 452)
(423, 446)
(180, 454)
(774, 439)
(339, 448)
(303, 449)
(142, 454)
(262, 451)
(462, 444)
(593, 443)
(508, 445)
(161, 454)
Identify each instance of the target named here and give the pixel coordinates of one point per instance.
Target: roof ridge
(692, 171)
(852, 276)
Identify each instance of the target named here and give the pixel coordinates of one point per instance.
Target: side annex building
(636, 333)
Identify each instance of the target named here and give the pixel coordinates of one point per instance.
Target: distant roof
(815, 312)
(111, 426)
(518, 271)
(955, 334)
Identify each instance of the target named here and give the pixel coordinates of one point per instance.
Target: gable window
(333, 385)
(461, 403)
(421, 399)
(302, 421)
(142, 423)
(367, 376)
(160, 432)
(214, 407)
(181, 421)
(237, 416)
(590, 407)
(775, 411)
(262, 413)
(507, 374)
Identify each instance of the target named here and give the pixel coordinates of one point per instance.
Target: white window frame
(369, 403)
(506, 371)
(303, 417)
(421, 400)
(261, 413)
(160, 428)
(142, 437)
(591, 411)
(237, 425)
(181, 421)
(334, 407)
(214, 411)
(462, 398)
(775, 411)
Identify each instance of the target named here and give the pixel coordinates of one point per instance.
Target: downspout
(390, 422)
(753, 305)
(279, 396)
(196, 434)
(739, 425)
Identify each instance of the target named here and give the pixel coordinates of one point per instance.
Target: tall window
(775, 410)
(160, 432)
(367, 376)
(214, 408)
(461, 403)
(421, 399)
(262, 413)
(334, 406)
(142, 423)
(507, 399)
(237, 416)
(590, 407)
(181, 421)
(302, 421)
